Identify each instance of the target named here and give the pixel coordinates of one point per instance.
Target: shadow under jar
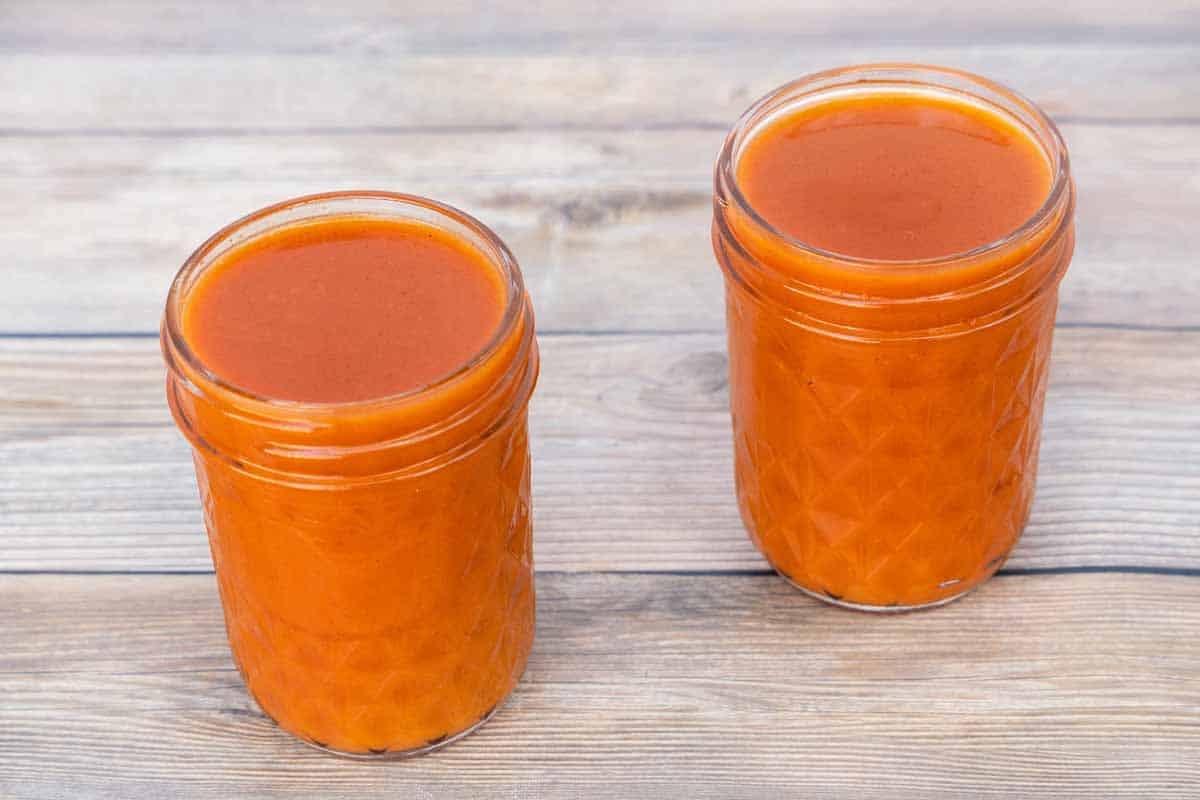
(374, 555)
(887, 409)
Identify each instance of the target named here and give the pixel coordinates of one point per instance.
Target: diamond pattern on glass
(863, 470)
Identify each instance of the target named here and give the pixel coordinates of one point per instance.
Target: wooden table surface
(669, 661)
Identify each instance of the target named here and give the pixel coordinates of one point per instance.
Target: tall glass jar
(373, 558)
(887, 414)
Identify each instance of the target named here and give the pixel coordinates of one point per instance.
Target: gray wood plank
(128, 91)
(632, 458)
(1058, 686)
(374, 26)
(611, 227)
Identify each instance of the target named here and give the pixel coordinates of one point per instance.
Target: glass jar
(887, 414)
(373, 558)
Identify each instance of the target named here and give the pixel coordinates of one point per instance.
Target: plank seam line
(1115, 569)
(599, 332)
(1110, 569)
(184, 132)
(359, 130)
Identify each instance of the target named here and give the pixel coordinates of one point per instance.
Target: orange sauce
(894, 177)
(887, 416)
(343, 310)
(374, 558)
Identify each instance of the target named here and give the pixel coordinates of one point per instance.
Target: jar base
(386, 755)
(873, 609)
(397, 755)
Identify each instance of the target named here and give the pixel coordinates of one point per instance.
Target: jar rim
(865, 77)
(204, 256)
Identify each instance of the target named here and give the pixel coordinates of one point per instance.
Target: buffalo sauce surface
(894, 176)
(886, 416)
(342, 310)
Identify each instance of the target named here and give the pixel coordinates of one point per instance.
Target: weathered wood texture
(584, 132)
(644, 686)
(611, 227)
(631, 456)
(654, 87)
(512, 26)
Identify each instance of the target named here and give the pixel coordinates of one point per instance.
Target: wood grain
(611, 227)
(226, 64)
(632, 457)
(584, 132)
(375, 26)
(179, 92)
(680, 686)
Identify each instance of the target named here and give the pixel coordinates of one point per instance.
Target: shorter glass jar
(373, 558)
(887, 414)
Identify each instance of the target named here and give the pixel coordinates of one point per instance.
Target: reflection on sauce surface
(894, 176)
(343, 310)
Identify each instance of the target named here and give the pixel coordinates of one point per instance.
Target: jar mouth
(333, 205)
(906, 77)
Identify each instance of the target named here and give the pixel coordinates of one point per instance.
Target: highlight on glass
(892, 239)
